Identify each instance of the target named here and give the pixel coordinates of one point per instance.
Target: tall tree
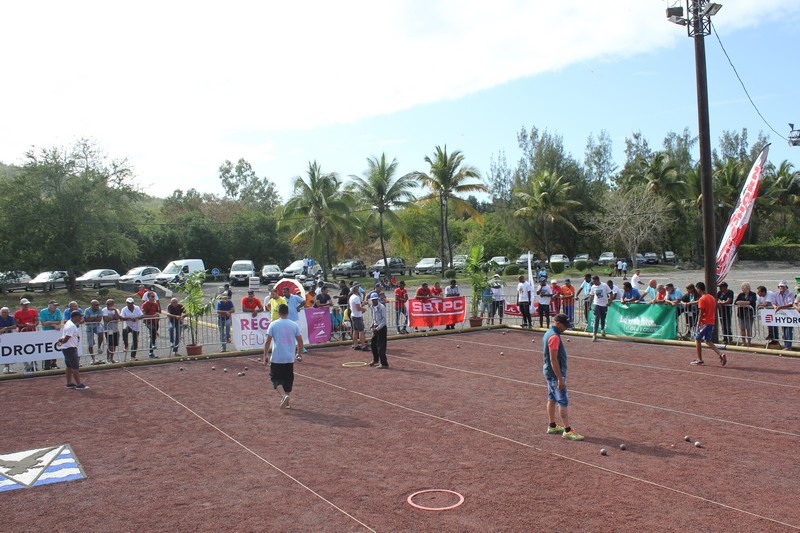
(242, 185)
(382, 191)
(546, 201)
(599, 157)
(448, 178)
(318, 200)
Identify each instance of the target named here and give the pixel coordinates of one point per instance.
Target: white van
(241, 272)
(176, 271)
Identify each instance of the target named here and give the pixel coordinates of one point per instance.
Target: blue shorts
(554, 394)
(704, 332)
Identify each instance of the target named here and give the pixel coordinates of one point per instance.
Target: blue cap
(374, 296)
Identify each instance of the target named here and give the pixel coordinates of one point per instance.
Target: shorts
(90, 335)
(704, 332)
(112, 338)
(358, 323)
(554, 394)
(71, 358)
(282, 374)
(498, 307)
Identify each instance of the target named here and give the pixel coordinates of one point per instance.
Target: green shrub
(769, 252)
(450, 273)
(582, 265)
(511, 270)
(557, 267)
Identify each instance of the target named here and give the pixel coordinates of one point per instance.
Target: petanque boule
(241, 374)
(501, 353)
(623, 447)
(224, 369)
(603, 451)
(458, 346)
(213, 368)
(181, 369)
(245, 369)
(687, 438)
(698, 444)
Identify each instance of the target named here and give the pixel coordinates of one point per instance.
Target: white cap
(783, 283)
(24, 301)
(129, 300)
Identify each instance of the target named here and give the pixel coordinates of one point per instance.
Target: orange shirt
(709, 306)
(248, 306)
(567, 294)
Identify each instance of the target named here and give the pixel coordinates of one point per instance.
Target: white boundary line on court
(555, 454)
(602, 397)
(641, 365)
(232, 439)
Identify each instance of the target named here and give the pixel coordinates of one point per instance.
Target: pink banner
(319, 324)
(436, 312)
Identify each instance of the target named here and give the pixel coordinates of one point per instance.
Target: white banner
(786, 318)
(250, 333)
(28, 346)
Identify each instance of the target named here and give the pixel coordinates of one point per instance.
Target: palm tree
(449, 177)
(662, 178)
(382, 191)
(319, 198)
(546, 202)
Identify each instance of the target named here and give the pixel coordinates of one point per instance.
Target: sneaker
(153, 356)
(374, 363)
(81, 387)
(71, 385)
(697, 362)
(558, 430)
(384, 367)
(285, 401)
(366, 349)
(594, 337)
(603, 332)
(572, 435)
(304, 350)
(724, 359)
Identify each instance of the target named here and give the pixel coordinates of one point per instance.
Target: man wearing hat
(498, 300)
(555, 373)
(69, 344)
(378, 343)
(251, 304)
(725, 299)
(784, 299)
(131, 315)
(50, 318)
(26, 319)
(225, 310)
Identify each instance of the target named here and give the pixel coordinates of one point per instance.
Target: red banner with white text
(436, 312)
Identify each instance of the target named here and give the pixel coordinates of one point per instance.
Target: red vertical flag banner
(740, 217)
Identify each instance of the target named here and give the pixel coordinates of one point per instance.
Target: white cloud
(177, 86)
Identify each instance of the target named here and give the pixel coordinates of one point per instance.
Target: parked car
(458, 263)
(606, 258)
(142, 274)
(581, 257)
(428, 265)
(296, 269)
(177, 271)
(397, 265)
(48, 281)
(640, 260)
(241, 271)
(14, 280)
(350, 267)
(559, 258)
(500, 262)
(651, 258)
(522, 260)
(669, 257)
(270, 274)
(99, 277)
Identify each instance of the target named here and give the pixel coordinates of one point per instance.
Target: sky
(179, 87)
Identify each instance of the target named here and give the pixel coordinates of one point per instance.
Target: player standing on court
(69, 342)
(555, 372)
(706, 309)
(288, 345)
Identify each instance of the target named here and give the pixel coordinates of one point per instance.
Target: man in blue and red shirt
(555, 373)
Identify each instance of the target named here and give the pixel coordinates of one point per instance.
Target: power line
(742, 83)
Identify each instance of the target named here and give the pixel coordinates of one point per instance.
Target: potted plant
(476, 271)
(195, 306)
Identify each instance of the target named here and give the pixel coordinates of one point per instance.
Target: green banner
(655, 321)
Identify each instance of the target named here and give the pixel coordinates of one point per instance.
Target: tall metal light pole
(698, 23)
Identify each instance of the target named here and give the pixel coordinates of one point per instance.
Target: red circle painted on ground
(459, 502)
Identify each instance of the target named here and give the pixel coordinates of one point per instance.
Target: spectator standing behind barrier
(151, 311)
(600, 300)
(706, 317)
(568, 301)
(295, 302)
(630, 295)
(27, 319)
(251, 304)
(68, 344)
(544, 294)
(649, 293)
(586, 290)
(323, 299)
(225, 309)
(423, 293)
(111, 320)
(274, 303)
(400, 310)
(784, 299)
(50, 318)
(131, 316)
(661, 295)
(725, 299)
(225, 290)
(379, 338)
(745, 312)
(764, 301)
(357, 318)
(93, 318)
(486, 299)
(452, 291)
(336, 321)
(615, 294)
(524, 291)
(344, 295)
(175, 316)
(689, 301)
(498, 300)
(555, 301)
(7, 325)
(555, 374)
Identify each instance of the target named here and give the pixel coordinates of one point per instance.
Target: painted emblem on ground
(41, 466)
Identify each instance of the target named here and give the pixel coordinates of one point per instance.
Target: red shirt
(400, 298)
(423, 293)
(709, 306)
(248, 306)
(151, 308)
(436, 292)
(29, 316)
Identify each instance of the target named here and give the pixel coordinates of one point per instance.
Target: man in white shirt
(600, 299)
(498, 300)
(544, 293)
(131, 315)
(586, 290)
(764, 300)
(784, 299)
(616, 294)
(357, 319)
(68, 343)
(524, 301)
(636, 280)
